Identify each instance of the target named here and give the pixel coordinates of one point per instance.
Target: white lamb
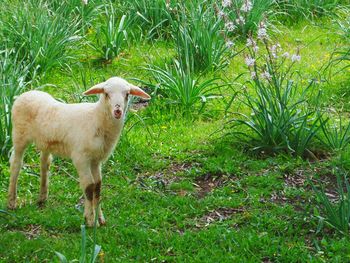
(85, 132)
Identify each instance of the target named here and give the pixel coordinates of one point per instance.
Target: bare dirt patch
(217, 215)
(206, 183)
(166, 177)
(301, 178)
(32, 231)
(326, 178)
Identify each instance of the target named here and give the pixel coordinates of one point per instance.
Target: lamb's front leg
(87, 184)
(96, 173)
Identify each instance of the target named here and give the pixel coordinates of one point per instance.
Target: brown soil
(216, 215)
(208, 182)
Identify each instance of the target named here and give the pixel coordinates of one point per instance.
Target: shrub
(111, 34)
(84, 14)
(282, 118)
(152, 17)
(180, 87)
(43, 38)
(296, 10)
(13, 75)
(243, 16)
(201, 43)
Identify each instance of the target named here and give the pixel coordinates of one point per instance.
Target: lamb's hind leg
(45, 161)
(15, 166)
(96, 173)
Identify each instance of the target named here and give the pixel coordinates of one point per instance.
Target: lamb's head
(116, 93)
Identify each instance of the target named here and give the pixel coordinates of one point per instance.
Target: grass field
(182, 188)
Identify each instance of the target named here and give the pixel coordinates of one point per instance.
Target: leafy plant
(84, 253)
(111, 35)
(13, 80)
(82, 81)
(336, 213)
(180, 87)
(243, 16)
(43, 38)
(84, 14)
(281, 119)
(336, 135)
(200, 41)
(153, 17)
(343, 54)
(296, 10)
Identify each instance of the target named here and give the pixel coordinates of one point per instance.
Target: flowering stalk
(241, 17)
(281, 118)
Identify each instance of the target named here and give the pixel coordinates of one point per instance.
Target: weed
(281, 117)
(111, 34)
(335, 213)
(13, 81)
(201, 43)
(43, 38)
(180, 87)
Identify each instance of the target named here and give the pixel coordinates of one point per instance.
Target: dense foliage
(241, 155)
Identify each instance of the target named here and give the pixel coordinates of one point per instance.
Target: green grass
(254, 209)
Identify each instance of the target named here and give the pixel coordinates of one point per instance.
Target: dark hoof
(41, 203)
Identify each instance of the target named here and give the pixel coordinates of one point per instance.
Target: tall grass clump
(244, 16)
(181, 88)
(297, 10)
(14, 73)
(111, 33)
(343, 54)
(152, 17)
(84, 14)
(281, 117)
(335, 210)
(335, 133)
(42, 37)
(200, 39)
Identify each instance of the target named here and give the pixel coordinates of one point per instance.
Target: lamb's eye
(127, 96)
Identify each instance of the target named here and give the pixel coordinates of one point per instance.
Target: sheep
(87, 133)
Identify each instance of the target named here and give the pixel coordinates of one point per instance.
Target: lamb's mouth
(117, 113)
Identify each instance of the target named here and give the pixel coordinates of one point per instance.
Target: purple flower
(221, 14)
(266, 75)
(229, 44)
(247, 6)
(285, 55)
(226, 3)
(262, 32)
(253, 75)
(252, 43)
(273, 50)
(249, 61)
(230, 26)
(240, 20)
(295, 58)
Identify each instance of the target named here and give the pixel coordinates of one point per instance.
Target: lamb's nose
(117, 113)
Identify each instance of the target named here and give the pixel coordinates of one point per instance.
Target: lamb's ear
(136, 91)
(97, 89)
